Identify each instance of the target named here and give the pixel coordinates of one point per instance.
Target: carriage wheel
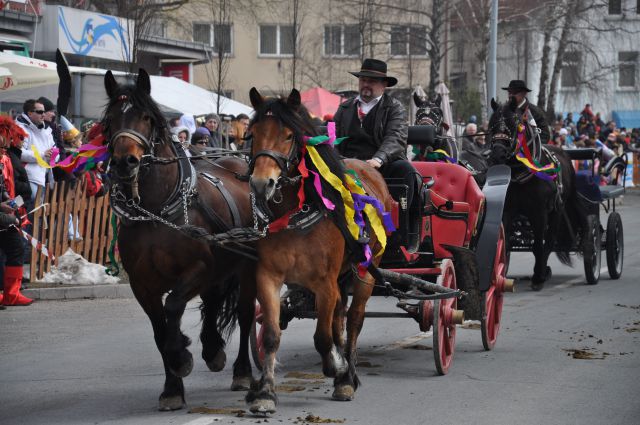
(614, 245)
(256, 339)
(444, 327)
(591, 249)
(493, 297)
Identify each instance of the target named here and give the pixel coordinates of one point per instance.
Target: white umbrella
(443, 91)
(19, 72)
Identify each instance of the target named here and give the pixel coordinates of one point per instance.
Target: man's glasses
(199, 143)
(38, 111)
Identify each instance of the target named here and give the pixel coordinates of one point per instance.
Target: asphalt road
(95, 362)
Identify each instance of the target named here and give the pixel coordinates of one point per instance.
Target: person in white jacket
(40, 136)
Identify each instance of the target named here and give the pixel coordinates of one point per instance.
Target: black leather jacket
(390, 134)
(539, 115)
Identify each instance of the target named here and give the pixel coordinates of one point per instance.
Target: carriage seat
(457, 196)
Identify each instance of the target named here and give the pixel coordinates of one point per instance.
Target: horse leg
(346, 384)
(176, 343)
(262, 397)
(212, 342)
(172, 397)
(329, 305)
(541, 271)
(242, 375)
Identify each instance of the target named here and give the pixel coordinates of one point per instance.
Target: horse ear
(494, 105)
(144, 82)
(294, 100)
(438, 100)
(256, 98)
(110, 84)
(417, 99)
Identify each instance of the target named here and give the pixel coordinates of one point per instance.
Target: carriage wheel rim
(444, 335)
(619, 247)
(492, 300)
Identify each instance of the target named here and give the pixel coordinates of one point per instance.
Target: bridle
(429, 115)
(500, 133)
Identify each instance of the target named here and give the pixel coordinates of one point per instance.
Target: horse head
(277, 128)
(133, 125)
(503, 126)
(429, 110)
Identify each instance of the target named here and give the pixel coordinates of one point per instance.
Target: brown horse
(157, 193)
(314, 257)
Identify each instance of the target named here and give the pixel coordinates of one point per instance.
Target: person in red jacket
(10, 236)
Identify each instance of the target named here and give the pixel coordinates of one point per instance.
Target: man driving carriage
(517, 91)
(375, 125)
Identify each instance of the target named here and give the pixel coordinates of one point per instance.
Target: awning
(179, 96)
(626, 119)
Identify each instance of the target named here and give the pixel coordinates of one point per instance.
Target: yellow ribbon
(39, 159)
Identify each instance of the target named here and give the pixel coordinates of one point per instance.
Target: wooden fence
(91, 216)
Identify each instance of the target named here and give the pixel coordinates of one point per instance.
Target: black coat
(390, 133)
(20, 177)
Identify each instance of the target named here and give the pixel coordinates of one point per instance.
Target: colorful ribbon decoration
(357, 204)
(85, 159)
(439, 155)
(113, 269)
(548, 172)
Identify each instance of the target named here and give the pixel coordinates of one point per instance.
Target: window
(342, 40)
(276, 40)
(638, 7)
(409, 40)
(217, 36)
(570, 69)
(627, 65)
(615, 7)
(157, 27)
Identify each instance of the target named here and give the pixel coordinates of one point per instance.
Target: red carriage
(446, 261)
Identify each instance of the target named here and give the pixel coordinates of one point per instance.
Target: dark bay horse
(314, 257)
(156, 191)
(543, 201)
(430, 112)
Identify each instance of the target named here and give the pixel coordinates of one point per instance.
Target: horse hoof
(263, 407)
(241, 383)
(168, 404)
(218, 362)
(186, 365)
(343, 393)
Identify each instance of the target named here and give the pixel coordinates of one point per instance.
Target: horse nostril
(271, 185)
(132, 161)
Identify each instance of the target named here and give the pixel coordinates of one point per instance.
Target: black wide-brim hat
(374, 68)
(517, 86)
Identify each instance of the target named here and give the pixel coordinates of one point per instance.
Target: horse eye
(290, 137)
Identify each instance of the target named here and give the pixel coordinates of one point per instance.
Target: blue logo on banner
(93, 36)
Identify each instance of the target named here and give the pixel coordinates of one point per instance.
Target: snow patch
(73, 269)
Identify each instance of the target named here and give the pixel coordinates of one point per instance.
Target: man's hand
(47, 155)
(374, 162)
(6, 208)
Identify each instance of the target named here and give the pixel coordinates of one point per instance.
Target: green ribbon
(113, 269)
(313, 141)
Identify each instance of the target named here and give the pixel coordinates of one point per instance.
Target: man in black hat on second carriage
(375, 125)
(517, 91)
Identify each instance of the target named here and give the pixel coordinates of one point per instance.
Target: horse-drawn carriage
(445, 261)
(589, 236)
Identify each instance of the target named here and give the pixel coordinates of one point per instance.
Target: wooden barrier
(91, 216)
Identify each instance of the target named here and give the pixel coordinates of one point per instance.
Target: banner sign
(93, 34)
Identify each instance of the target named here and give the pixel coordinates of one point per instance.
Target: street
(569, 354)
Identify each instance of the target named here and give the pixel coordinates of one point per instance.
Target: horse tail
(225, 307)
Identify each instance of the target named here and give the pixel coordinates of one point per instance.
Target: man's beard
(513, 103)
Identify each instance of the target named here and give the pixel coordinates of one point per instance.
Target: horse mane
(301, 124)
(140, 101)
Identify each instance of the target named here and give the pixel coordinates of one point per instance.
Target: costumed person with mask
(534, 115)
(11, 240)
(73, 139)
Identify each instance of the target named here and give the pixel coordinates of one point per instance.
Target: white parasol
(443, 91)
(19, 72)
